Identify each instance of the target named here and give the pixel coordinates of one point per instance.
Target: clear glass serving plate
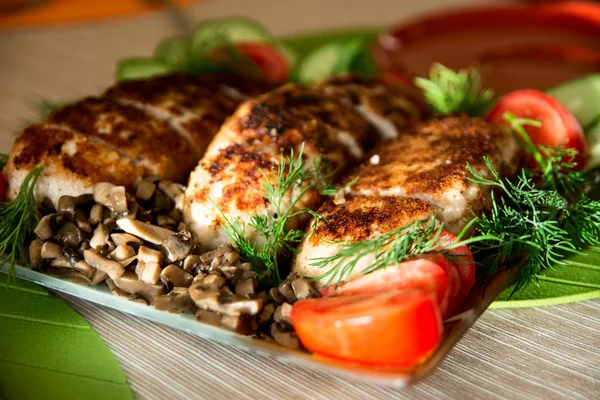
(454, 328)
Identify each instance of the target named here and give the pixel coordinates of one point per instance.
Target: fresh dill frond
(17, 221)
(283, 188)
(450, 92)
(388, 249)
(556, 164)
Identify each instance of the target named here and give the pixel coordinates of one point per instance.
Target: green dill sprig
(291, 180)
(389, 249)
(17, 221)
(450, 92)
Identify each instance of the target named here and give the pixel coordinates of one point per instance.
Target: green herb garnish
(450, 92)
(17, 221)
(292, 178)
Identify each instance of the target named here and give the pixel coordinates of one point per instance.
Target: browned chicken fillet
(195, 107)
(389, 108)
(72, 164)
(157, 126)
(358, 218)
(134, 134)
(422, 172)
(429, 162)
(252, 140)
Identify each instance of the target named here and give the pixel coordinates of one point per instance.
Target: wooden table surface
(550, 352)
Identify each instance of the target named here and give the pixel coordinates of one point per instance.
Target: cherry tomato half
(272, 64)
(559, 126)
(394, 328)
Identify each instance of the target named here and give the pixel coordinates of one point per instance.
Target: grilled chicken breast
(422, 172)
(357, 219)
(430, 162)
(252, 141)
(158, 126)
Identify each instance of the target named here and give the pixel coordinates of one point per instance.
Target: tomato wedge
(559, 126)
(464, 263)
(394, 328)
(272, 64)
(419, 274)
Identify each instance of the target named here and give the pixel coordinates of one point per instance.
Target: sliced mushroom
(124, 238)
(231, 273)
(60, 262)
(283, 313)
(214, 280)
(285, 288)
(145, 190)
(69, 274)
(100, 237)
(232, 257)
(102, 193)
(173, 190)
(129, 283)
(276, 296)
(208, 317)
(118, 200)
(84, 199)
(177, 276)
(81, 221)
(69, 235)
(112, 268)
(177, 300)
(96, 214)
(84, 268)
(148, 255)
(218, 252)
(161, 202)
(177, 247)
(35, 252)
(122, 252)
(192, 261)
(245, 288)
(303, 289)
(66, 207)
(51, 250)
(266, 313)
(99, 276)
(237, 305)
(128, 261)
(237, 323)
(286, 338)
(225, 291)
(151, 233)
(151, 272)
(45, 228)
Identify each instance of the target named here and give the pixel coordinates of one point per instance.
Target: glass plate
(454, 328)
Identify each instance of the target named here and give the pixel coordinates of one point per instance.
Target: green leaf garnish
(449, 92)
(17, 221)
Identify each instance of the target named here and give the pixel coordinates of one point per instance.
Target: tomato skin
(271, 63)
(418, 274)
(3, 187)
(559, 126)
(394, 328)
(464, 264)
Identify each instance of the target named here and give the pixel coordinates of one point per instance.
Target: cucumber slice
(581, 96)
(593, 138)
(331, 58)
(139, 68)
(174, 51)
(215, 33)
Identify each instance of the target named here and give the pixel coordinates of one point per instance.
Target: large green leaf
(578, 280)
(48, 351)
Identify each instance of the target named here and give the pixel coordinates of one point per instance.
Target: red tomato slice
(464, 264)
(559, 126)
(272, 64)
(3, 186)
(419, 274)
(395, 328)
